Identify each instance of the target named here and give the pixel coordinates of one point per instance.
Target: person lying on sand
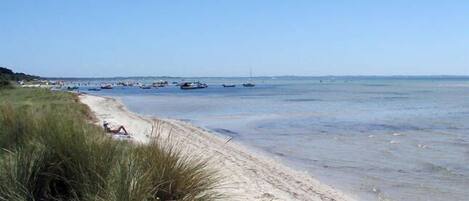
(114, 131)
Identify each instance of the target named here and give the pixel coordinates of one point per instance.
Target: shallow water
(374, 138)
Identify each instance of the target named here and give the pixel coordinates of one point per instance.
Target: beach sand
(247, 175)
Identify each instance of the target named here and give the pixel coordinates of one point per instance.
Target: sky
(91, 38)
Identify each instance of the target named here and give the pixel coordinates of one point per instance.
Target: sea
(373, 138)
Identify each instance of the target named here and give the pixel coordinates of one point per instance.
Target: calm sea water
(374, 138)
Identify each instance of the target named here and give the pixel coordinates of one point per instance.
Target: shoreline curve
(246, 175)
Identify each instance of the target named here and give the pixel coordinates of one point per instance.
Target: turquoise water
(372, 137)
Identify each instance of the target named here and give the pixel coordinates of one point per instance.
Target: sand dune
(247, 175)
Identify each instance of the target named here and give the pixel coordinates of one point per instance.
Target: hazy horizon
(227, 38)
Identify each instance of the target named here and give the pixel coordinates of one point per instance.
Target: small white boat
(145, 87)
(193, 85)
(106, 86)
(161, 83)
(249, 84)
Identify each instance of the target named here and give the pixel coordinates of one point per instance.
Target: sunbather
(114, 131)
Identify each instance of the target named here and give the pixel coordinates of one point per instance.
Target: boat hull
(195, 85)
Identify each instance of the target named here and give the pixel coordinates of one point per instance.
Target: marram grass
(49, 150)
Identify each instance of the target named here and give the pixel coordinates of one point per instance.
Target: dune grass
(51, 151)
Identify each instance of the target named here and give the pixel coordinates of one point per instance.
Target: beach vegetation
(51, 150)
(8, 74)
(4, 83)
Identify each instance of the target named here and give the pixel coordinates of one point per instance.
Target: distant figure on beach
(114, 131)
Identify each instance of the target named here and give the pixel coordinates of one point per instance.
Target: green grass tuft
(49, 150)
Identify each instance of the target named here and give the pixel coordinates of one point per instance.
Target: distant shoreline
(262, 77)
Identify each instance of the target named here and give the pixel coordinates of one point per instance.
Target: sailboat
(249, 83)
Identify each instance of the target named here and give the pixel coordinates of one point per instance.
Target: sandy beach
(247, 175)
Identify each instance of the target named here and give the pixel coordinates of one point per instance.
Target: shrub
(4, 83)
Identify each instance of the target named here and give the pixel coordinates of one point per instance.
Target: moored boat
(145, 87)
(72, 88)
(106, 86)
(94, 89)
(161, 83)
(249, 84)
(193, 85)
(228, 85)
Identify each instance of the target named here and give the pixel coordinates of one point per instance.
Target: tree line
(7, 76)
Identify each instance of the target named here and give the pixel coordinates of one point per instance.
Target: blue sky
(227, 37)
